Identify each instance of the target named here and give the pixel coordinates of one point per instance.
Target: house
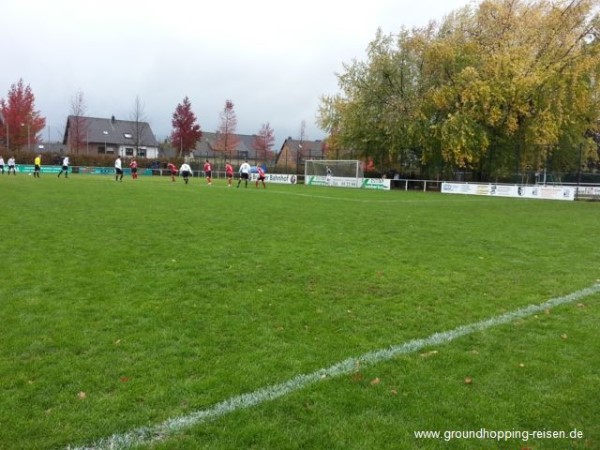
(92, 135)
(52, 152)
(295, 152)
(207, 148)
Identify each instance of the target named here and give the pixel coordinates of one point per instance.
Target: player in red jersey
(228, 173)
(173, 168)
(133, 165)
(261, 176)
(208, 172)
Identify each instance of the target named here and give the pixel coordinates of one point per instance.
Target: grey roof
(52, 147)
(313, 147)
(293, 148)
(206, 145)
(114, 131)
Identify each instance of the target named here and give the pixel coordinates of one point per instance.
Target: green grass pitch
(126, 304)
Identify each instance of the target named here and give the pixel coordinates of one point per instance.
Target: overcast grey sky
(274, 59)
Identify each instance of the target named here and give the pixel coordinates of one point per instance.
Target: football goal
(350, 168)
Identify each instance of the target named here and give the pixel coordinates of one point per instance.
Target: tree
(139, 124)
(302, 131)
(78, 135)
(186, 132)
(300, 154)
(379, 108)
(227, 141)
(501, 87)
(3, 130)
(517, 83)
(263, 142)
(22, 123)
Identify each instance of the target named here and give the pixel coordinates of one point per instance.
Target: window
(101, 150)
(128, 151)
(142, 152)
(242, 155)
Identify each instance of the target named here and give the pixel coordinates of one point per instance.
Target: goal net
(334, 168)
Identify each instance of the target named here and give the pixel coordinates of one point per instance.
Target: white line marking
(160, 432)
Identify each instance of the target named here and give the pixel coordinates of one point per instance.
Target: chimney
(112, 119)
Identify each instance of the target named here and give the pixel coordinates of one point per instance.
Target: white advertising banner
(498, 190)
(383, 184)
(348, 182)
(589, 191)
(277, 178)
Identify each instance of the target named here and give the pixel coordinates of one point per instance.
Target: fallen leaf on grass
(468, 380)
(427, 354)
(394, 392)
(124, 379)
(82, 395)
(580, 305)
(375, 381)
(563, 336)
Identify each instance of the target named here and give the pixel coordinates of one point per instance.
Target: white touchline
(147, 435)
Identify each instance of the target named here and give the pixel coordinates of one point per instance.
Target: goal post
(341, 173)
(316, 170)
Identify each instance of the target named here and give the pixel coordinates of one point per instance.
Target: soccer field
(178, 316)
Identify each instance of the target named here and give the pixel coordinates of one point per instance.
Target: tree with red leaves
(21, 122)
(186, 132)
(263, 143)
(227, 141)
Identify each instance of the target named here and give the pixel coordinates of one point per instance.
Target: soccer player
(65, 167)
(186, 171)
(208, 172)
(244, 173)
(261, 176)
(2, 164)
(118, 169)
(133, 166)
(11, 165)
(37, 166)
(173, 168)
(228, 173)
(329, 174)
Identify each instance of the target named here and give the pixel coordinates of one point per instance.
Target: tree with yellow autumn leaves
(503, 87)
